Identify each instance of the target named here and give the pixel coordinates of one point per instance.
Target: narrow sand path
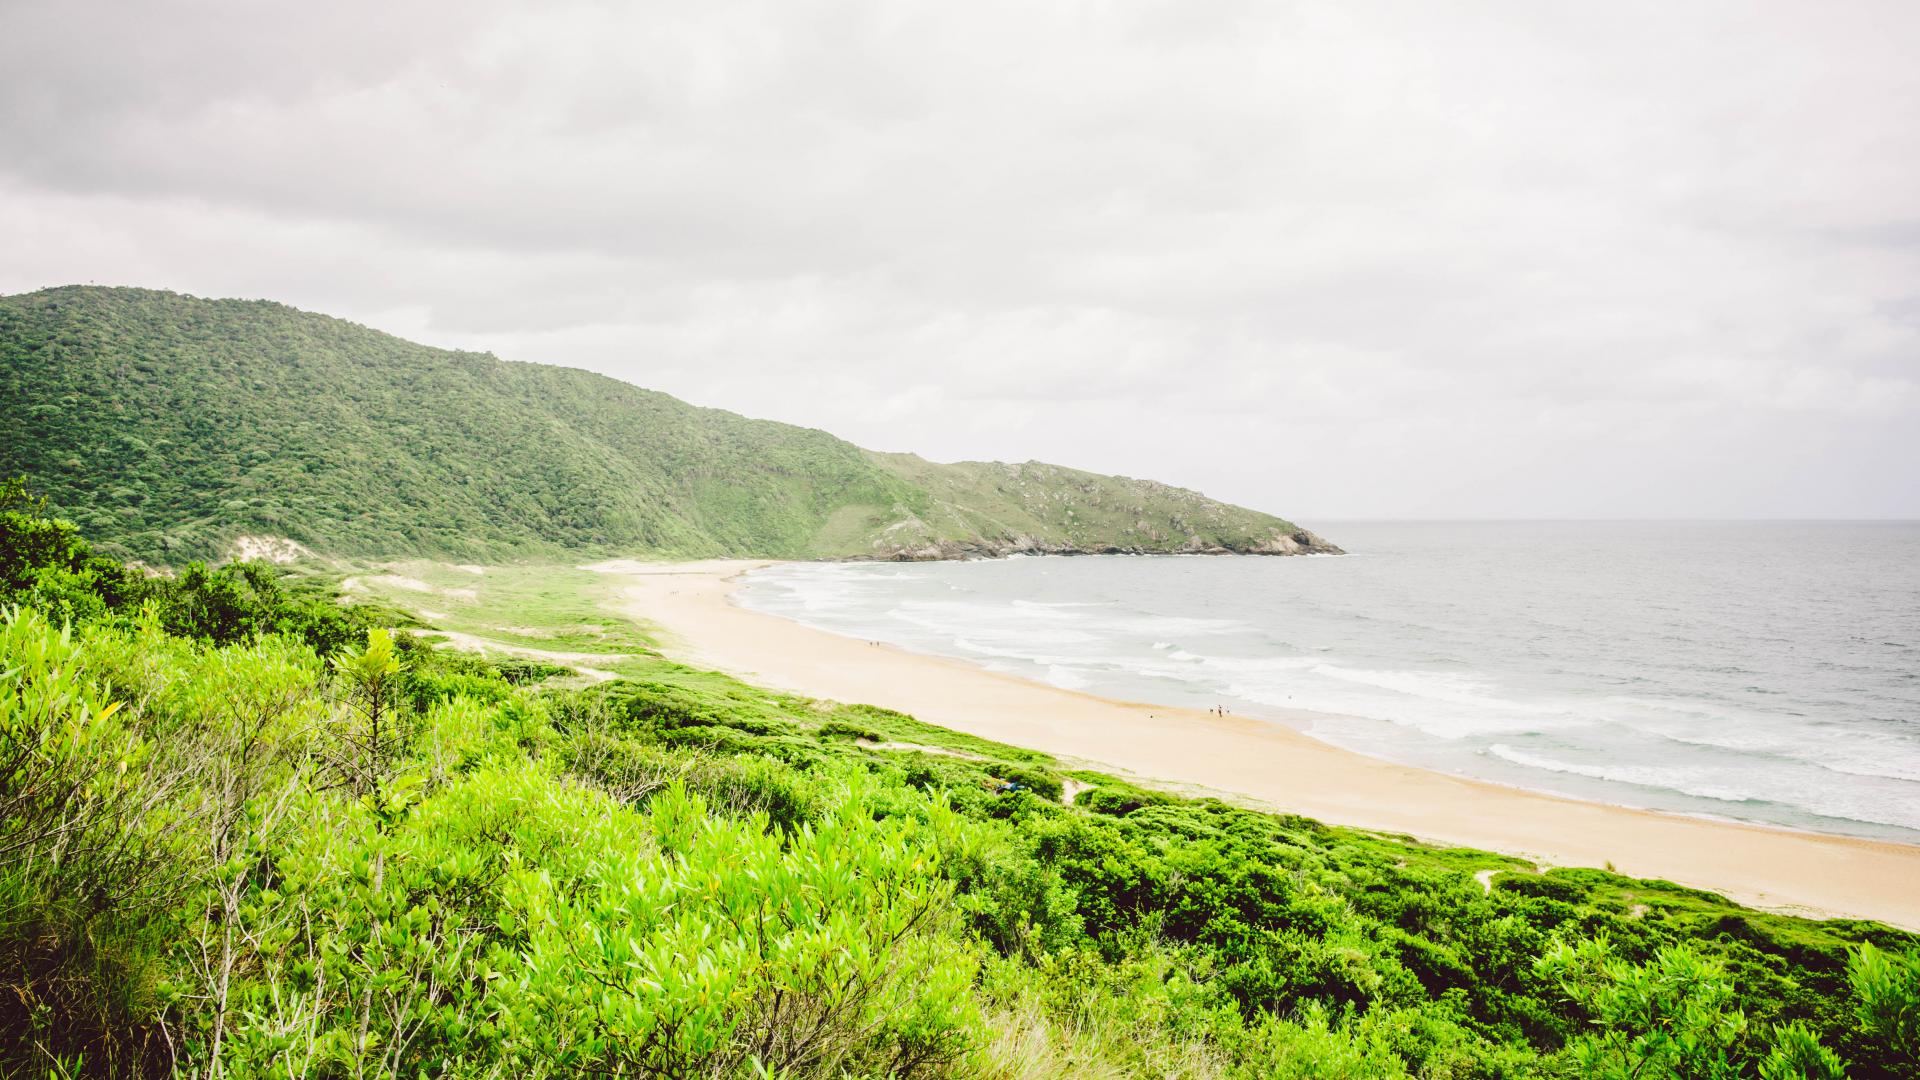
(575, 660)
(1267, 762)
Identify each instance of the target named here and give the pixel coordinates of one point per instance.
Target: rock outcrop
(1298, 542)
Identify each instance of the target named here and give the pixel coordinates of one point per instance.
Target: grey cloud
(1358, 258)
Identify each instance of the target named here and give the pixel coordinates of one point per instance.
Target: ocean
(1756, 671)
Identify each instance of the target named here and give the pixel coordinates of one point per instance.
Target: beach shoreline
(1263, 762)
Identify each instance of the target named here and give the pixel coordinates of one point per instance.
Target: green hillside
(168, 426)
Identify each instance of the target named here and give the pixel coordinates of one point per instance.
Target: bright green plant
(714, 948)
(1798, 1055)
(1886, 996)
(1672, 1018)
(79, 789)
(86, 813)
(404, 864)
(370, 736)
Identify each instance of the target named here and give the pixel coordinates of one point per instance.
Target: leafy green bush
(221, 852)
(45, 563)
(840, 729)
(74, 848)
(634, 771)
(1886, 997)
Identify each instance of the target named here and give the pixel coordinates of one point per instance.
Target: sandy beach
(1264, 762)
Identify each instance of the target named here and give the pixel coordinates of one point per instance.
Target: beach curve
(1263, 762)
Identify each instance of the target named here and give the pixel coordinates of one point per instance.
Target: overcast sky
(1332, 260)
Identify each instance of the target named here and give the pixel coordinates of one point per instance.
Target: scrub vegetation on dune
(173, 428)
(249, 831)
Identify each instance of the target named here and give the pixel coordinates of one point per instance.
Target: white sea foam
(1728, 784)
(1067, 678)
(1450, 687)
(1691, 781)
(1466, 649)
(1852, 753)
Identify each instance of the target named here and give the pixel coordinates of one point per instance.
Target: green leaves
(1798, 1055)
(1675, 1018)
(370, 738)
(72, 783)
(715, 945)
(371, 866)
(369, 667)
(1886, 998)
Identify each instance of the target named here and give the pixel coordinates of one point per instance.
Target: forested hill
(169, 425)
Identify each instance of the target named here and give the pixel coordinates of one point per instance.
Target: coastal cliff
(987, 509)
(1299, 542)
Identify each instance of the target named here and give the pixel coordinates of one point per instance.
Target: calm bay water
(1761, 671)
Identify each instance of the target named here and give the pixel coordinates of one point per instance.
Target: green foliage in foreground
(169, 425)
(242, 859)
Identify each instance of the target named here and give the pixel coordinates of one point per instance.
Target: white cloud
(1359, 258)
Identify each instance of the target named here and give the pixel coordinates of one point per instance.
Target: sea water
(1759, 671)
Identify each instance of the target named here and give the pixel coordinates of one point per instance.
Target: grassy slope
(167, 425)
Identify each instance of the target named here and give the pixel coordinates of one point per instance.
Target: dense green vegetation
(46, 565)
(167, 426)
(231, 845)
